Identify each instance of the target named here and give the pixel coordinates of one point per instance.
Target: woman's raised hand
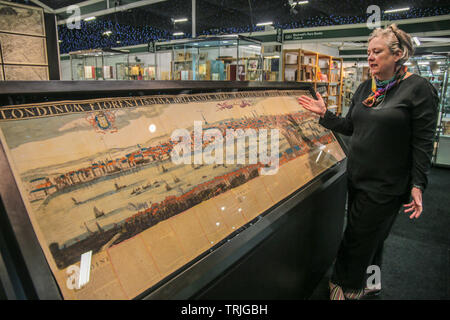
(316, 106)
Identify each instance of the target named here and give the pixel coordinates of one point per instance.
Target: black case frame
(309, 239)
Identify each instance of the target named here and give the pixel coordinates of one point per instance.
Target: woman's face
(381, 60)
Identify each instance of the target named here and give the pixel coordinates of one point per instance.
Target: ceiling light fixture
(264, 24)
(180, 20)
(417, 41)
(107, 33)
(178, 33)
(299, 2)
(396, 10)
(90, 19)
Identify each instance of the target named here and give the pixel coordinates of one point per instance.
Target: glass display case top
(217, 58)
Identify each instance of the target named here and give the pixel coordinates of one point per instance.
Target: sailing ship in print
(98, 213)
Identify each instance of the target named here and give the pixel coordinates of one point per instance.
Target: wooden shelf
(327, 65)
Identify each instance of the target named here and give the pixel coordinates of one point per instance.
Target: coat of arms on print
(102, 121)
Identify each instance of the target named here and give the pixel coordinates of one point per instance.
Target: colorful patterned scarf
(380, 88)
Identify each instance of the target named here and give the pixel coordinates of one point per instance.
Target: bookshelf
(319, 69)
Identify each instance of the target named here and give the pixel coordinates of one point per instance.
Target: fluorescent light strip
(264, 24)
(180, 20)
(107, 32)
(299, 2)
(90, 19)
(417, 41)
(396, 10)
(178, 33)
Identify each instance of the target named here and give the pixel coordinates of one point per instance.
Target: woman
(391, 121)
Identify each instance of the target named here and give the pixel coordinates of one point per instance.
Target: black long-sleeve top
(391, 144)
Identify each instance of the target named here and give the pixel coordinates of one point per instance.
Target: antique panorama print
(147, 184)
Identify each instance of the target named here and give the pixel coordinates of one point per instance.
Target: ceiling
(218, 14)
(137, 22)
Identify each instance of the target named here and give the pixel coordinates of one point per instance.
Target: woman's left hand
(416, 204)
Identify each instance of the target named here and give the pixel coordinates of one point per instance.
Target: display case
(435, 68)
(100, 64)
(111, 200)
(271, 63)
(213, 58)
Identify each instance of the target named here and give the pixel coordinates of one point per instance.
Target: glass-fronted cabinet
(442, 155)
(250, 60)
(98, 64)
(435, 68)
(216, 58)
(271, 63)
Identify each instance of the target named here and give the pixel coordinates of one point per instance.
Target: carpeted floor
(416, 264)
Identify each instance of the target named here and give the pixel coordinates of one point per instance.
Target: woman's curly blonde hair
(396, 39)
